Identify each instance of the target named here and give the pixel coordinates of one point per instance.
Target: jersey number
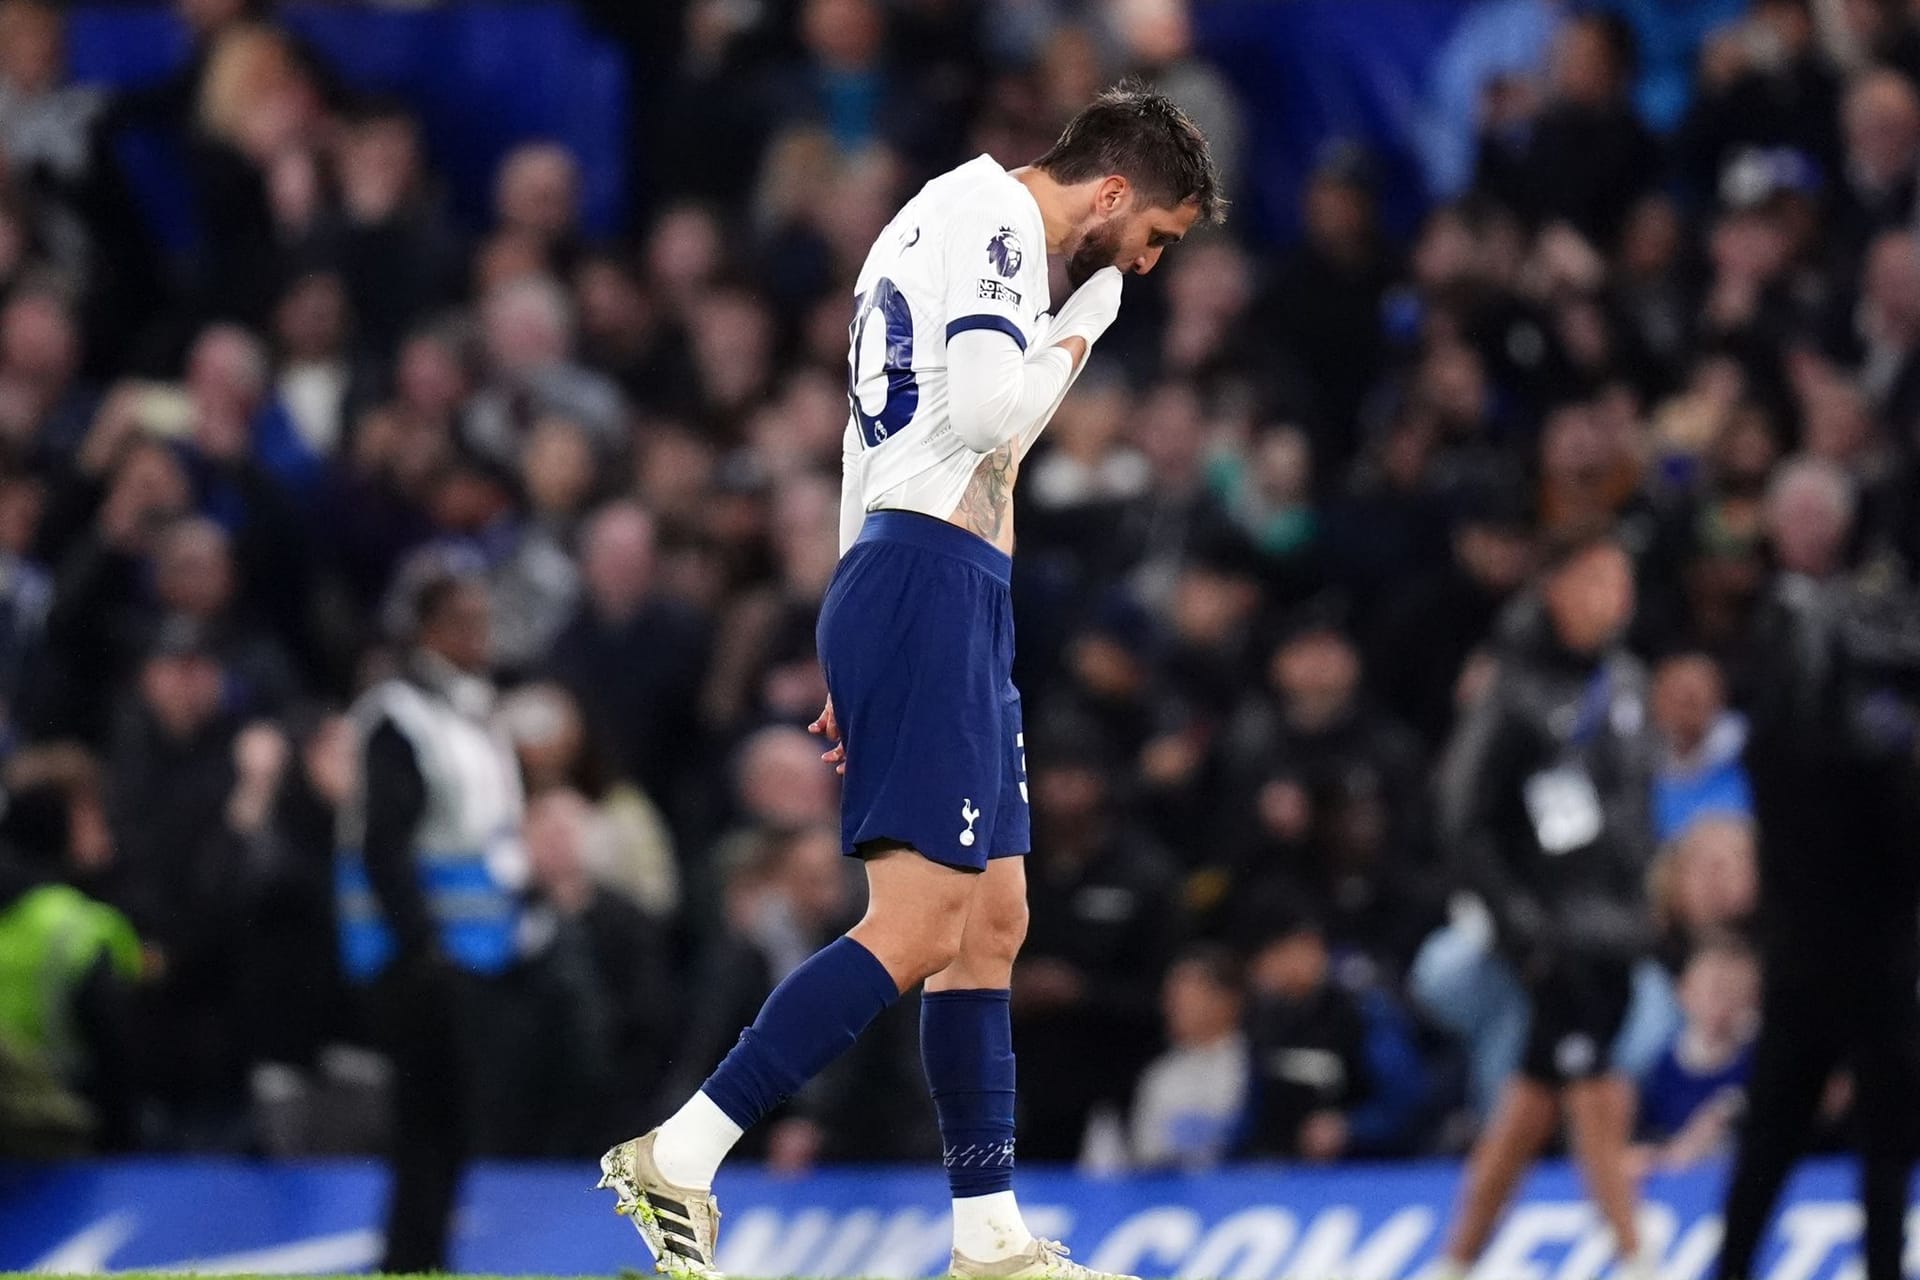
(903, 391)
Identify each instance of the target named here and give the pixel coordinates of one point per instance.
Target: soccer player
(955, 369)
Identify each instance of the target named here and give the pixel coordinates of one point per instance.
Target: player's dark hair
(1142, 136)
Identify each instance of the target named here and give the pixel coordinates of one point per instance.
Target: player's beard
(1099, 246)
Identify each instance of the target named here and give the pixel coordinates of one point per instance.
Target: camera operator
(1837, 794)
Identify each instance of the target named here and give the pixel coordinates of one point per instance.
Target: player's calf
(912, 929)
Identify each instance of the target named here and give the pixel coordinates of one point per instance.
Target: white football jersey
(967, 252)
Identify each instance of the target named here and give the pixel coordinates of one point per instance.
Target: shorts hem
(850, 847)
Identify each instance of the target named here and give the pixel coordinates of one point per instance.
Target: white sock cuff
(693, 1142)
(988, 1228)
(709, 1113)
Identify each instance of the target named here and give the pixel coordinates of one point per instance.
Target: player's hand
(829, 728)
(1093, 307)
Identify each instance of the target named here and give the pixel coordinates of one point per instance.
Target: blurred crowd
(1280, 541)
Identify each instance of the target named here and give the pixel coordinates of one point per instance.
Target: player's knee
(1002, 933)
(916, 935)
(943, 945)
(929, 945)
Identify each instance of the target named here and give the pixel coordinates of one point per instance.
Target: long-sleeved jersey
(961, 270)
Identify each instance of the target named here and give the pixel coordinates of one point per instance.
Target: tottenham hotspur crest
(1004, 252)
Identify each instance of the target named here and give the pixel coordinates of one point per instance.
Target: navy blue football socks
(809, 1020)
(966, 1046)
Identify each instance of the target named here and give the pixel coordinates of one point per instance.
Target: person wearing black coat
(1545, 811)
(169, 775)
(1836, 783)
(1309, 1045)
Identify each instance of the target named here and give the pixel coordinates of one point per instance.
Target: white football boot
(679, 1224)
(1042, 1258)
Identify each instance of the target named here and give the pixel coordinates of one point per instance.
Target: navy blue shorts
(916, 635)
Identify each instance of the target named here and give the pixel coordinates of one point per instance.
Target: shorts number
(903, 391)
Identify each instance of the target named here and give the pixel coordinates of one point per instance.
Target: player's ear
(1110, 197)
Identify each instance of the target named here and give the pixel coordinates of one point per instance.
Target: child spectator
(1701, 741)
(1695, 1091)
(1193, 1098)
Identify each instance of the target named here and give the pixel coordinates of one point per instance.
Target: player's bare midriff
(986, 508)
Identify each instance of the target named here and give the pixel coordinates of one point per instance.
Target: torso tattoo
(986, 507)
